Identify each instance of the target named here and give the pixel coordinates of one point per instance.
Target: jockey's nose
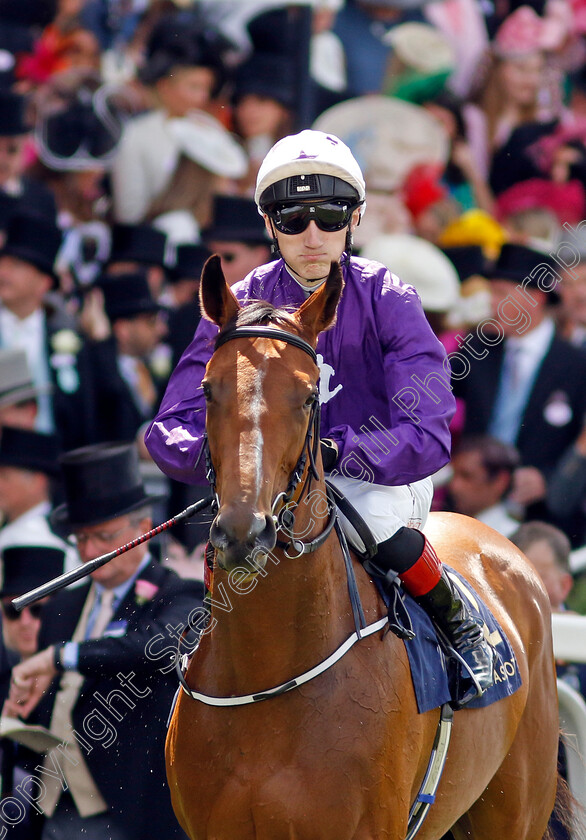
(238, 536)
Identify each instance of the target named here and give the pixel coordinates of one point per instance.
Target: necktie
(94, 619)
(100, 615)
(511, 398)
(145, 388)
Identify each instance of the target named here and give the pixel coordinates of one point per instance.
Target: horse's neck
(286, 620)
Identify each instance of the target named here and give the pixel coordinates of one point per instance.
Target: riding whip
(83, 571)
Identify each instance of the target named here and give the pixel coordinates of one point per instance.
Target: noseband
(282, 507)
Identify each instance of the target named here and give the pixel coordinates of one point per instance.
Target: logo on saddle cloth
(428, 666)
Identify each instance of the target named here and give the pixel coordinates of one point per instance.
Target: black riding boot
(459, 634)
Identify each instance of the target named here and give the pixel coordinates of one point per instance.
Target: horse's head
(261, 394)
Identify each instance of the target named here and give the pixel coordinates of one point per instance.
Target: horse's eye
(310, 400)
(207, 391)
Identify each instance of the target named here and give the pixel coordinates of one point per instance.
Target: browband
(267, 332)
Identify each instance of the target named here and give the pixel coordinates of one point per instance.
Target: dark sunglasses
(11, 613)
(329, 216)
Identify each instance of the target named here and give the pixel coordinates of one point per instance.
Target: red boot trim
(424, 573)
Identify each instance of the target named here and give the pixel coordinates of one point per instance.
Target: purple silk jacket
(385, 395)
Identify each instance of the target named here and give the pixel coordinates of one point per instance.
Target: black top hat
(27, 566)
(82, 137)
(268, 75)
(184, 39)
(12, 118)
(126, 295)
(29, 450)
(467, 260)
(102, 482)
(138, 243)
(236, 219)
(517, 263)
(189, 261)
(34, 239)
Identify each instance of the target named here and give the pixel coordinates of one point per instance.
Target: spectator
(24, 567)
(128, 388)
(139, 247)
(76, 145)
(237, 234)
(515, 89)
(548, 549)
(523, 384)
(29, 320)
(482, 474)
(14, 182)
(263, 102)
(98, 640)
(175, 156)
(29, 473)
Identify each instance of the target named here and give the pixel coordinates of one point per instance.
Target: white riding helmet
(310, 164)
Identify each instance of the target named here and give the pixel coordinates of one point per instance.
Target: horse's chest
(274, 775)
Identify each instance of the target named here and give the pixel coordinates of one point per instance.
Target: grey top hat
(16, 382)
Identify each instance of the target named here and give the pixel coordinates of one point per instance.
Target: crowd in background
(131, 132)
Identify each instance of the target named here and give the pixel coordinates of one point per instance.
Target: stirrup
(462, 696)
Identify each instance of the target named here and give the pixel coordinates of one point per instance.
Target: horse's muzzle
(242, 541)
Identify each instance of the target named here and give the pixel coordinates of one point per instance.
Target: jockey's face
(310, 253)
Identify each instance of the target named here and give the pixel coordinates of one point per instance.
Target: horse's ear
(217, 299)
(319, 310)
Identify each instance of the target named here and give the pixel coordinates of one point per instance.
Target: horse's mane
(261, 313)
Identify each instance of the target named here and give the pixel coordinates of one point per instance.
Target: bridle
(284, 505)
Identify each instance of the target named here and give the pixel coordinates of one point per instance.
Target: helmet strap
(275, 250)
(349, 242)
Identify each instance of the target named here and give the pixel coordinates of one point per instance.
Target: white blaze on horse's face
(260, 394)
(250, 398)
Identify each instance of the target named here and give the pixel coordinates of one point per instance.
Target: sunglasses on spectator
(329, 216)
(11, 613)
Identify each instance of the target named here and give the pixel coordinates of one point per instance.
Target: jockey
(385, 394)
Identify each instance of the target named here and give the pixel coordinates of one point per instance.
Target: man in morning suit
(521, 383)
(106, 651)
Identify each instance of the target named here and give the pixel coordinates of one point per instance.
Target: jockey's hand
(329, 453)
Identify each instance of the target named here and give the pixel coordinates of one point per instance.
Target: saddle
(436, 675)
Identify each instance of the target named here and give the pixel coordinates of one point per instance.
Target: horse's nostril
(237, 537)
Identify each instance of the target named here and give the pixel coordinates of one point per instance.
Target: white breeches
(384, 509)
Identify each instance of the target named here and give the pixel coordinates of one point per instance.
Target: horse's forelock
(262, 313)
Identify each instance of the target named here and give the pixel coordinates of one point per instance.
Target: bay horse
(340, 756)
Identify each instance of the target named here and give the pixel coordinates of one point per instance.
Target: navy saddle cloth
(427, 661)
